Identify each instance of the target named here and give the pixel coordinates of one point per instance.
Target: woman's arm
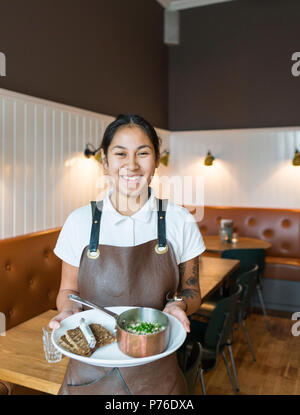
(68, 285)
(189, 290)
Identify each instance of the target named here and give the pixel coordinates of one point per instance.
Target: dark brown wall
(106, 56)
(233, 66)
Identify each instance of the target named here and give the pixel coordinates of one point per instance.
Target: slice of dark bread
(76, 338)
(70, 347)
(102, 335)
(75, 342)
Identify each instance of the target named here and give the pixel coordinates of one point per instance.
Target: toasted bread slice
(69, 347)
(102, 335)
(75, 342)
(76, 338)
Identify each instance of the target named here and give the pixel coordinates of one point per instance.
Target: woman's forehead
(129, 137)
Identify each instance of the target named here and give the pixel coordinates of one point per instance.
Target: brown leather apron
(127, 276)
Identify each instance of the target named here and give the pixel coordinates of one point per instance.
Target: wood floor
(277, 367)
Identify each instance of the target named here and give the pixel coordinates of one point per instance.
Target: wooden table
(214, 244)
(213, 272)
(22, 359)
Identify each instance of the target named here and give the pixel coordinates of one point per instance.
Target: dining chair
(6, 388)
(213, 335)
(248, 282)
(249, 258)
(189, 358)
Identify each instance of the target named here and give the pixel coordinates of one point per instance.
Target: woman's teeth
(132, 178)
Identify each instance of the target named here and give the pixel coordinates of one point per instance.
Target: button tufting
(286, 223)
(268, 233)
(251, 222)
(7, 267)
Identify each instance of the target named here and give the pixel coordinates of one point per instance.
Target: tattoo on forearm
(196, 266)
(182, 268)
(188, 293)
(194, 278)
(192, 281)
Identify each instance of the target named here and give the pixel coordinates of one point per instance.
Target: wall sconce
(296, 159)
(208, 161)
(90, 150)
(164, 157)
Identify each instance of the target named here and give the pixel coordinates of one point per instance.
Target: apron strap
(161, 222)
(95, 231)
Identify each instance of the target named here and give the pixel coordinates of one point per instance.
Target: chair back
(247, 257)
(192, 367)
(219, 326)
(248, 282)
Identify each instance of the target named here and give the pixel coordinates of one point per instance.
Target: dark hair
(130, 120)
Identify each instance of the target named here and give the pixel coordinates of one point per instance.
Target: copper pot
(136, 345)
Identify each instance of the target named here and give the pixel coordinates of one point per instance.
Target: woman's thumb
(54, 324)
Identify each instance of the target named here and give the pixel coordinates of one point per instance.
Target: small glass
(235, 237)
(223, 235)
(52, 355)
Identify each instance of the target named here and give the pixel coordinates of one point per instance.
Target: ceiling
(173, 5)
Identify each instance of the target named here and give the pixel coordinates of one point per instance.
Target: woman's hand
(175, 309)
(55, 322)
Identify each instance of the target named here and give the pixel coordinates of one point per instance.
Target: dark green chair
(249, 258)
(189, 359)
(248, 282)
(213, 335)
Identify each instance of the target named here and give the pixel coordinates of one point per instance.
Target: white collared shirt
(182, 232)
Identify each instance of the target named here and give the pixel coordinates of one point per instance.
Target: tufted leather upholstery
(29, 275)
(280, 227)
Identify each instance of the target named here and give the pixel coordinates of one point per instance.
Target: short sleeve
(67, 246)
(192, 244)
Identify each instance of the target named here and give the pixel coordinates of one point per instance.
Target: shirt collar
(142, 215)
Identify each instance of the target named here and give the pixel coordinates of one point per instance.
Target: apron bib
(139, 276)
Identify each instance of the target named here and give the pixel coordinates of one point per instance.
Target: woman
(129, 254)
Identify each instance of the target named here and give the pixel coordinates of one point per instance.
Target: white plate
(111, 355)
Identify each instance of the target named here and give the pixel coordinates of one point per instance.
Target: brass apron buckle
(161, 250)
(93, 255)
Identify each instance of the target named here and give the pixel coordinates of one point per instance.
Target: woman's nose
(132, 163)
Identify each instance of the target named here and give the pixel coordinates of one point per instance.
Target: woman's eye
(120, 154)
(143, 153)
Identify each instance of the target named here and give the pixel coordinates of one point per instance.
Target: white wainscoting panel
(253, 167)
(43, 172)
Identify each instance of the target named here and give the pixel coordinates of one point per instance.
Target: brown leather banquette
(29, 277)
(280, 227)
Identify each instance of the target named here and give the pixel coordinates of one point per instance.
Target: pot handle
(80, 300)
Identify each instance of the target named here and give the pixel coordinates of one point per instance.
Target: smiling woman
(130, 154)
(130, 249)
